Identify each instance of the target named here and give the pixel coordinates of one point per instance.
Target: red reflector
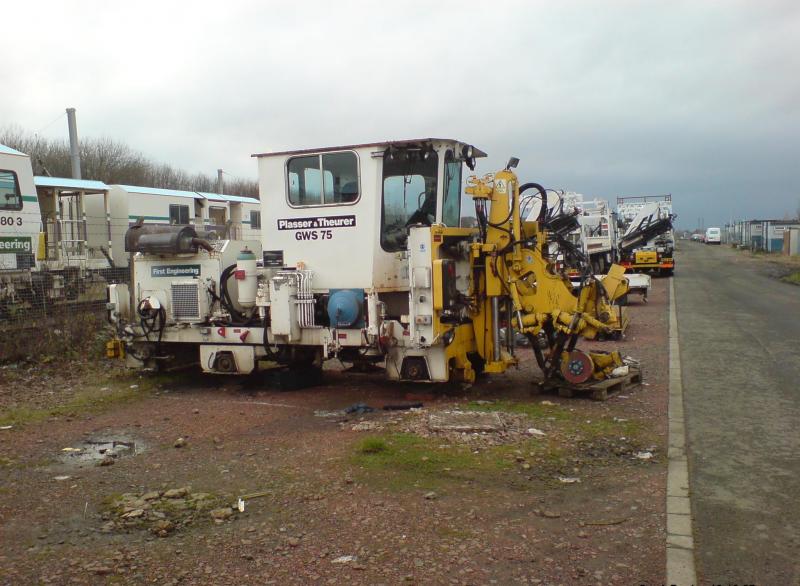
(437, 237)
(342, 336)
(239, 275)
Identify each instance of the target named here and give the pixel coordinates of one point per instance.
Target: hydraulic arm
(515, 284)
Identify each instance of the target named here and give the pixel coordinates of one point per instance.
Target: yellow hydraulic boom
(514, 286)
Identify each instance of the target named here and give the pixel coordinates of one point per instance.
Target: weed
(793, 278)
(372, 445)
(399, 461)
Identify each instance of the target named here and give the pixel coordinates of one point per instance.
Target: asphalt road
(739, 335)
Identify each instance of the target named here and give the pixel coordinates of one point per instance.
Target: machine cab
(344, 212)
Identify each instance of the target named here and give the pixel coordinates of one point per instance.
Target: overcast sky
(698, 99)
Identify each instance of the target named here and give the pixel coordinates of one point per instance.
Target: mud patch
(101, 450)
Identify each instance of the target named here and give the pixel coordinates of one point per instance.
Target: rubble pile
(163, 512)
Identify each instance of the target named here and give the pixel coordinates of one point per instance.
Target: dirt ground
(555, 491)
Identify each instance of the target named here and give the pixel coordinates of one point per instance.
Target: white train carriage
(237, 216)
(19, 225)
(206, 212)
(131, 203)
(76, 224)
(64, 239)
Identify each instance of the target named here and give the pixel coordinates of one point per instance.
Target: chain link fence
(54, 312)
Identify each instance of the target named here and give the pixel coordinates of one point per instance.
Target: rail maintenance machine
(362, 258)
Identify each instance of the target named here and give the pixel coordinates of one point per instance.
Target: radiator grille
(185, 301)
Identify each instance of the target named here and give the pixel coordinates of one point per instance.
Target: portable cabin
(774, 231)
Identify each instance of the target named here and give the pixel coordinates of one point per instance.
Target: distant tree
(114, 162)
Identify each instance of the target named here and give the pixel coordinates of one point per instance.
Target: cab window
(326, 179)
(10, 197)
(451, 210)
(409, 195)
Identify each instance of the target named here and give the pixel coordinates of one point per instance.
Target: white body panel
(366, 265)
(19, 228)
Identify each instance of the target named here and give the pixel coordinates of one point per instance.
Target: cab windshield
(409, 194)
(10, 198)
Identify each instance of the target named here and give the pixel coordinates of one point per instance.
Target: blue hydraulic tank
(346, 308)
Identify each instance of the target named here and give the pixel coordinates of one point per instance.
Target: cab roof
(396, 143)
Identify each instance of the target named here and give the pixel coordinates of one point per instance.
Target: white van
(713, 236)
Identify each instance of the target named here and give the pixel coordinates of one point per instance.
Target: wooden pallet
(597, 390)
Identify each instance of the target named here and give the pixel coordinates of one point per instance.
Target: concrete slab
(680, 567)
(679, 524)
(678, 505)
(680, 541)
(465, 421)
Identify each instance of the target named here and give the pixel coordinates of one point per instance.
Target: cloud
(613, 98)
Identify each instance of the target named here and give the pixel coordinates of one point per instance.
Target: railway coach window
(326, 179)
(178, 214)
(10, 197)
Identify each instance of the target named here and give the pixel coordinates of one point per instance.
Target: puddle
(101, 448)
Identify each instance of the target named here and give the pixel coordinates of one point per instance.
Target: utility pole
(74, 150)
(219, 181)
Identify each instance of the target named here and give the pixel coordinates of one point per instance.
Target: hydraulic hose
(237, 317)
(543, 212)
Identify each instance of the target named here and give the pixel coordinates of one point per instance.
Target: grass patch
(572, 443)
(535, 410)
(568, 422)
(372, 445)
(401, 461)
(793, 278)
(609, 428)
(86, 402)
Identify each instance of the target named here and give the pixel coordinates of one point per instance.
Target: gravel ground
(373, 498)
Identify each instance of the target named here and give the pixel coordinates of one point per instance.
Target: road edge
(680, 540)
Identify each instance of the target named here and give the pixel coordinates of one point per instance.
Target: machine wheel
(577, 368)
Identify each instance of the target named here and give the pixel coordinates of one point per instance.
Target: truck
(362, 258)
(647, 241)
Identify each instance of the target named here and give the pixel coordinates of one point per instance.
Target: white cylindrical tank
(247, 278)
